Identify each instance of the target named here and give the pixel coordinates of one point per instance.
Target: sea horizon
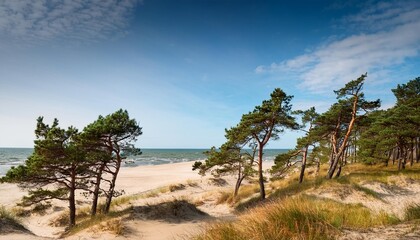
(14, 156)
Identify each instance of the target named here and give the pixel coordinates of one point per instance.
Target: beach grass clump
(21, 212)
(111, 222)
(9, 222)
(412, 212)
(217, 181)
(244, 193)
(114, 226)
(301, 217)
(247, 191)
(224, 197)
(192, 183)
(176, 187)
(122, 200)
(61, 220)
(7, 215)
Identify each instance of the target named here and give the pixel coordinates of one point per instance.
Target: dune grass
(109, 222)
(412, 212)
(290, 214)
(245, 192)
(300, 217)
(9, 222)
(8, 215)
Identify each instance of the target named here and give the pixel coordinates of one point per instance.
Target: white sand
(134, 180)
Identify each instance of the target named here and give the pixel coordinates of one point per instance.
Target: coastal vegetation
(321, 208)
(351, 132)
(255, 130)
(65, 161)
(343, 135)
(9, 221)
(352, 162)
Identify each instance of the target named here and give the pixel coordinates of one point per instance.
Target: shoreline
(132, 180)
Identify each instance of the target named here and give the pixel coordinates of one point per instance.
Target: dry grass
(296, 218)
(8, 215)
(176, 187)
(247, 191)
(217, 182)
(155, 192)
(9, 222)
(224, 197)
(192, 183)
(111, 222)
(412, 212)
(21, 212)
(114, 226)
(61, 220)
(293, 215)
(175, 210)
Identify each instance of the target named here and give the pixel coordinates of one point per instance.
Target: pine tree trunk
(412, 152)
(399, 158)
(343, 145)
(260, 172)
(404, 160)
(72, 201)
(96, 190)
(388, 158)
(331, 160)
(354, 150)
(333, 166)
(238, 185)
(344, 161)
(338, 171)
(302, 170)
(112, 184)
(417, 150)
(318, 166)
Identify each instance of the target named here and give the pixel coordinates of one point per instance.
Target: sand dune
(135, 180)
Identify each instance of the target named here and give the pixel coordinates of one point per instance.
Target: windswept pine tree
(65, 161)
(230, 158)
(300, 153)
(109, 139)
(339, 121)
(56, 169)
(263, 124)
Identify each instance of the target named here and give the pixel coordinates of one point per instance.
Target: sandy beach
(136, 180)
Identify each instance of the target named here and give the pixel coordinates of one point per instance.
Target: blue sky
(186, 70)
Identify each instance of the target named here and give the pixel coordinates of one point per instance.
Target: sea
(16, 156)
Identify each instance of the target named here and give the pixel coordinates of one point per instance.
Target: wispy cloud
(80, 20)
(388, 35)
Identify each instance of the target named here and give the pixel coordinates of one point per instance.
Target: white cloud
(40, 20)
(390, 36)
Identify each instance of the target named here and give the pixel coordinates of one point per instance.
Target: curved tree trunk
(260, 172)
(111, 190)
(96, 190)
(238, 185)
(302, 170)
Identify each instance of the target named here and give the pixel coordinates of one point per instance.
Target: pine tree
(56, 169)
(111, 138)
